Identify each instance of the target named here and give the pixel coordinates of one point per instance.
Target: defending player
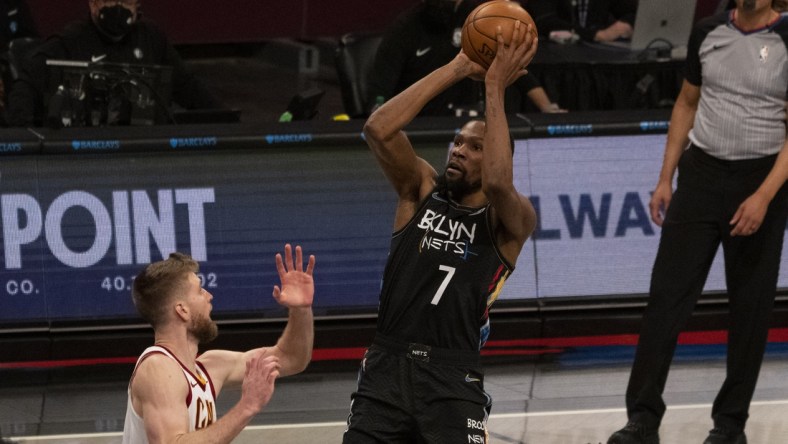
(172, 393)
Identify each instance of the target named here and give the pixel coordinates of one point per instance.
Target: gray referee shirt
(743, 79)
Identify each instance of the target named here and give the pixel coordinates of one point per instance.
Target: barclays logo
(10, 147)
(79, 145)
(192, 142)
(569, 130)
(658, 125)
(288, 138)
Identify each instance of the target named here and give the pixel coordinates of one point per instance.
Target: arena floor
(556, 402)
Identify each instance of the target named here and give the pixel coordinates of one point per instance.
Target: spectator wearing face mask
(115, 32)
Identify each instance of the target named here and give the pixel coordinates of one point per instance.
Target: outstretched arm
(624, 12)
(411, 176)
(539, 98)
(293, 350)
(514, 216)
(618, 30)
(294, 347)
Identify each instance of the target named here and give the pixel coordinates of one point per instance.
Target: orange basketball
(478, 32)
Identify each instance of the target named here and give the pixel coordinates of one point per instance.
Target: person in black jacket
(427, 37)
(591, 20)
(113, 33)
(15, 22)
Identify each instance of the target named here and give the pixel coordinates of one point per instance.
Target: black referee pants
(708, 193)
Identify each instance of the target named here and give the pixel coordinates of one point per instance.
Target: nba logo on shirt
(764, 54)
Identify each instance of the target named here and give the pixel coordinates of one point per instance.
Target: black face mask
(115, 21)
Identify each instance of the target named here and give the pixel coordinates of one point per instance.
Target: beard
(748, 5)
(204, 329)
(457, 189)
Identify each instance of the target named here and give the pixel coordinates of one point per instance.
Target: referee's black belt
(426, 353)
(732, 165)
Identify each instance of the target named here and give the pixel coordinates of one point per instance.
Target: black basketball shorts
(418, 394)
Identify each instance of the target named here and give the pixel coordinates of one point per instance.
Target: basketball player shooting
(456, 239)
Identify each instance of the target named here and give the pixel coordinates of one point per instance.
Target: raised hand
(298, 286)
(510, 60)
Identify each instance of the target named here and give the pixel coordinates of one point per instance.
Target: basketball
(478, 31)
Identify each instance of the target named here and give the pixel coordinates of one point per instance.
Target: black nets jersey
(443, 273)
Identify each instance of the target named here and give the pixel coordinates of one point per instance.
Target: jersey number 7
(449, 273)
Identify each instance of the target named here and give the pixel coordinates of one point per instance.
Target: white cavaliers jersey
(201, 400)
